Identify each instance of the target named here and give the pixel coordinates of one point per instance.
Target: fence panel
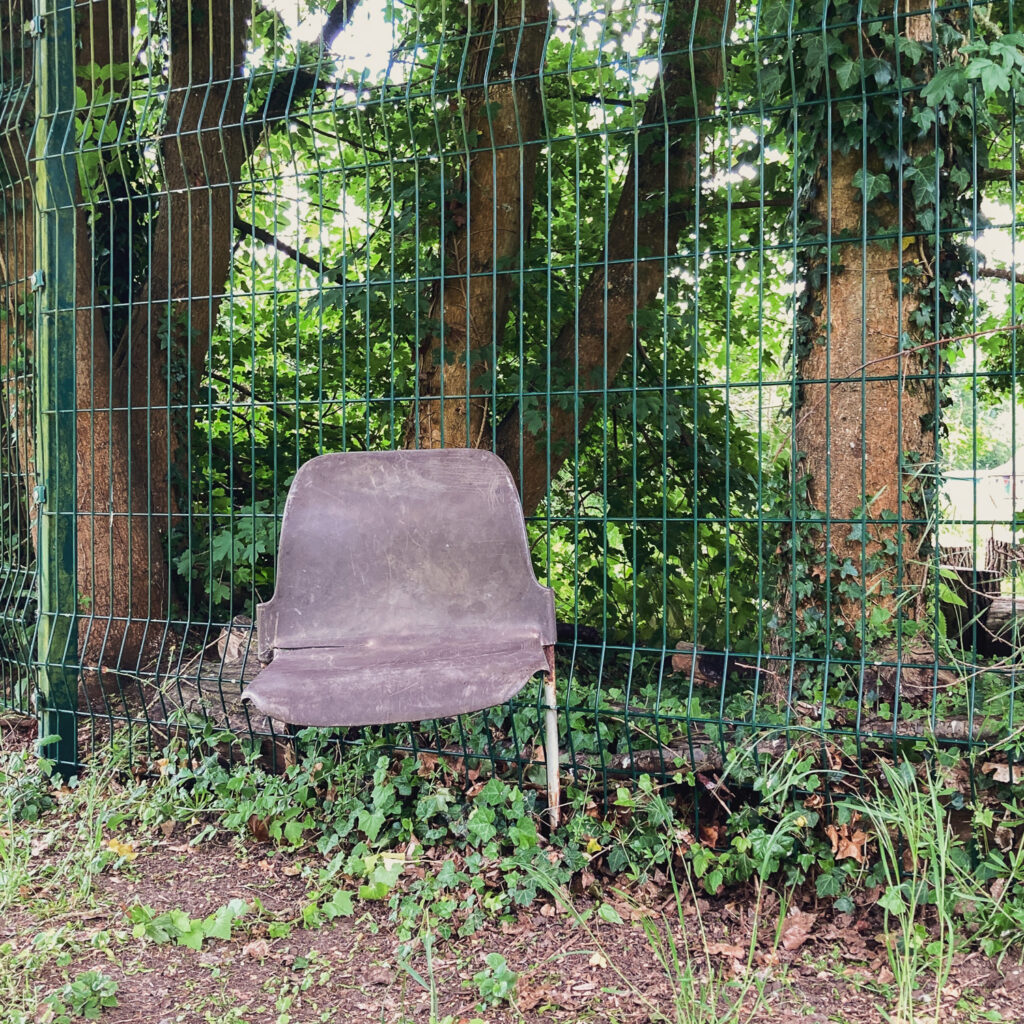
(733, 289)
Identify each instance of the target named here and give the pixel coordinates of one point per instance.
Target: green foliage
(234, 548)
(176, 926)
(978, 433)
(84, 998)
(496, 983)
(369, 820)
(371, 816)
(27, 786)
(776, 837)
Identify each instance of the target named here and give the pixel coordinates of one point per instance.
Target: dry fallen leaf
(126, 851)
(258, 949)
(709, 835)
(725, 949)
(797, 928)
(1004, 839)
(39, 846)
(1003, 772)
(530, 997)
(260, 828)
(847, 841)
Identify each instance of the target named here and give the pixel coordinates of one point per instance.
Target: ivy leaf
(847, 74)
(339, 905)
(876, 184)
(949, 83)
(910, 48)
(892, 900)
(881, 70)
(994, 77)
(829, 883)
(859, 532)
(880, 616)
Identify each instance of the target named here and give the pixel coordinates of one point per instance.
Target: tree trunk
(134, 391)
(502, 127)
(864, 430)
(591, 348)
(865, 420)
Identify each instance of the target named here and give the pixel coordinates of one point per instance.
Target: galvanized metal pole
(54, 282)
(552, 755)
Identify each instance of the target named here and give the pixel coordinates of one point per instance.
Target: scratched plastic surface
(405, 591)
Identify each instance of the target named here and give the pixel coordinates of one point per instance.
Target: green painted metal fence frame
(55, 496)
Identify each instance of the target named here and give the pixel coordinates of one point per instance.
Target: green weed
(176, 926)
(496, 983)
(84, 998)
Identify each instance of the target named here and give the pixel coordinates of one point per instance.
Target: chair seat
(394, 679)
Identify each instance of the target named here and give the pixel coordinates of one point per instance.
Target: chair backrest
(404, 543)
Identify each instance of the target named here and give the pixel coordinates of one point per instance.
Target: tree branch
(228, 382)
(1001, 274)
(339, 16)
(593, 344)
(269, 238)
(1000, 173)
(301, 82)
(337, 137)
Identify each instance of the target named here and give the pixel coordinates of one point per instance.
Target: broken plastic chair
(404, 592)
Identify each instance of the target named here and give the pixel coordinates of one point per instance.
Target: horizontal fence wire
(733, 289)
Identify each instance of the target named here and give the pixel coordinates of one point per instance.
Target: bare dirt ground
(353, 969)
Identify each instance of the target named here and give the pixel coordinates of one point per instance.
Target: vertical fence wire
(17, 453)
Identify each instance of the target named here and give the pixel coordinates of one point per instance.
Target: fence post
(54, 283)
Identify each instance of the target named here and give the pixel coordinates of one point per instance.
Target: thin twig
(240, 388)
(483, 425)
(269, 238)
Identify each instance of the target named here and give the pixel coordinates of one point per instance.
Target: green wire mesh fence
(734, 289)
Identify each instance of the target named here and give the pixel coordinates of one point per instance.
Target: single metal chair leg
(551, 752)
